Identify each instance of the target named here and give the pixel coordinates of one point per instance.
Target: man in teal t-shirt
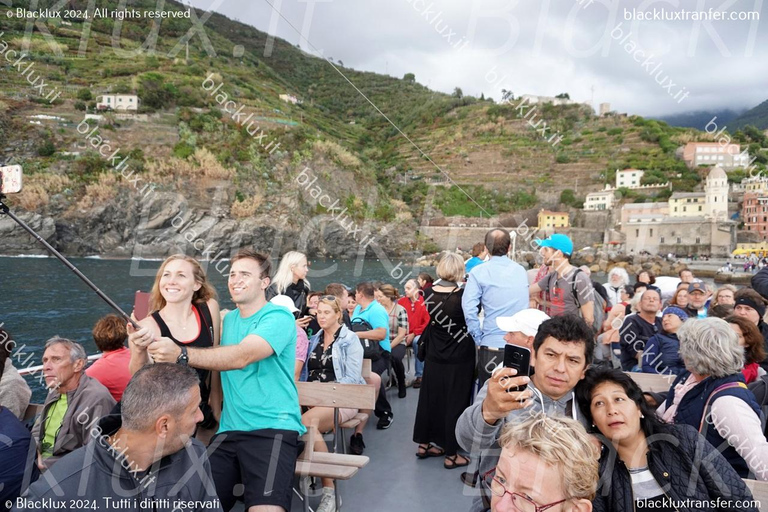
(257, 441)
(374, 313)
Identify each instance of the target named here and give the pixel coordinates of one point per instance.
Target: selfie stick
(4, 210)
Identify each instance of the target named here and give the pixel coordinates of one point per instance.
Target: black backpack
(759, 388)
(371, 349)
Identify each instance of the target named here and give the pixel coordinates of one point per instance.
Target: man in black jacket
(638, 328)
(750, 305)
(147, 460)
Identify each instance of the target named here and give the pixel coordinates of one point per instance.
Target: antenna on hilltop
(592, 100)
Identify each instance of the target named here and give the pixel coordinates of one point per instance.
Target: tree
(482, 96)
(458, 93)
(409, 77)
(563, 96)
(567, 197)
(507, 95)
(84, 94)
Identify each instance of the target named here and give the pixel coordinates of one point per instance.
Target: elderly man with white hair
(74, 404)
(712, 396)
(617, 280)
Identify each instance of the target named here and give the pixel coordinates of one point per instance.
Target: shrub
(246, 208)
(46, 148)
(84, 94)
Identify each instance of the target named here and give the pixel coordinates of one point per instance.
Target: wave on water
(25, 256)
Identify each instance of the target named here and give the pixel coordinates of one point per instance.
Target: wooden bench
(358, 418)
(759, 493)
(338, 466)
(652, 382)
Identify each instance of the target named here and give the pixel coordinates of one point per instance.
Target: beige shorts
(346, 415)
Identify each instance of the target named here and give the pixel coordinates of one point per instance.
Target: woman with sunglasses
(645, 463)
(335, 355)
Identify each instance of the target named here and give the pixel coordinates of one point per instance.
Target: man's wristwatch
(183, 357)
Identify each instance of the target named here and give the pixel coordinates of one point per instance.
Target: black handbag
(371, 349)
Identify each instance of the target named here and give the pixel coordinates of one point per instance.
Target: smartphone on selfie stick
(518, 358)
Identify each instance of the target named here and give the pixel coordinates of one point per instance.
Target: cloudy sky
(542, 47)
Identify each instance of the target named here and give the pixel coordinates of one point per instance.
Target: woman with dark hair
(113, 368)
(752, 341)
(645, 276)
(425, 281)
(644, 462)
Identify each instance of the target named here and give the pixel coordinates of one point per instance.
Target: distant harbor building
(690, 223)
(551, 220)
(727, 156)
(687, 204)
(117, 102)
(603, 200)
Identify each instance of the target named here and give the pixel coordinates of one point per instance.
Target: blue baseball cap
(558, 242)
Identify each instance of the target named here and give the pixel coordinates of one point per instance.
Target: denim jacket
(347, 355)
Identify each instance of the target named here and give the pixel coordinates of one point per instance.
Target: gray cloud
(543, 47)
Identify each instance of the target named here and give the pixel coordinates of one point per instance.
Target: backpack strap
(718, 389)
(573, 288)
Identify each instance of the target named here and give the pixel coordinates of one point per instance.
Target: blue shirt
(500, 286)
(472, 263)
(15, 442)
(263, 394)
(377, 316)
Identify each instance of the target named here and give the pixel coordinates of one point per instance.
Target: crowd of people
(202, 404)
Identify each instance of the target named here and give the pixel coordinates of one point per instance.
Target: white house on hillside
(118, 102)
(629, 178)
(603, 200)
(288, 98)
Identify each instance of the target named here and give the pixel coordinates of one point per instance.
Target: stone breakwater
(596, 260)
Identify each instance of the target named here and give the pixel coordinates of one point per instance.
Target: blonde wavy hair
(562, 443)
(204, 294)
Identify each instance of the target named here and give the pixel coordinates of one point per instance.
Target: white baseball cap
(526, 321)
(284, 301)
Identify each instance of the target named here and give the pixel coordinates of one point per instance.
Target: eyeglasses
(328, 297)
(521, 502)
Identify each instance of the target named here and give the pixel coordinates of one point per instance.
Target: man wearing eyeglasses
(545, 464)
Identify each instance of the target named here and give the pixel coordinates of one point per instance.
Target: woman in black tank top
(184, 309)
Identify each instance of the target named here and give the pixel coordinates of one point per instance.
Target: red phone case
(141, 305)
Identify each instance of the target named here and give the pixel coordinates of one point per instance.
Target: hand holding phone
(518, 358)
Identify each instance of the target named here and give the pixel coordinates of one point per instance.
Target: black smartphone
(518, 358)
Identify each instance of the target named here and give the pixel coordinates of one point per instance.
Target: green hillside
(189, 142)
(757, 117)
